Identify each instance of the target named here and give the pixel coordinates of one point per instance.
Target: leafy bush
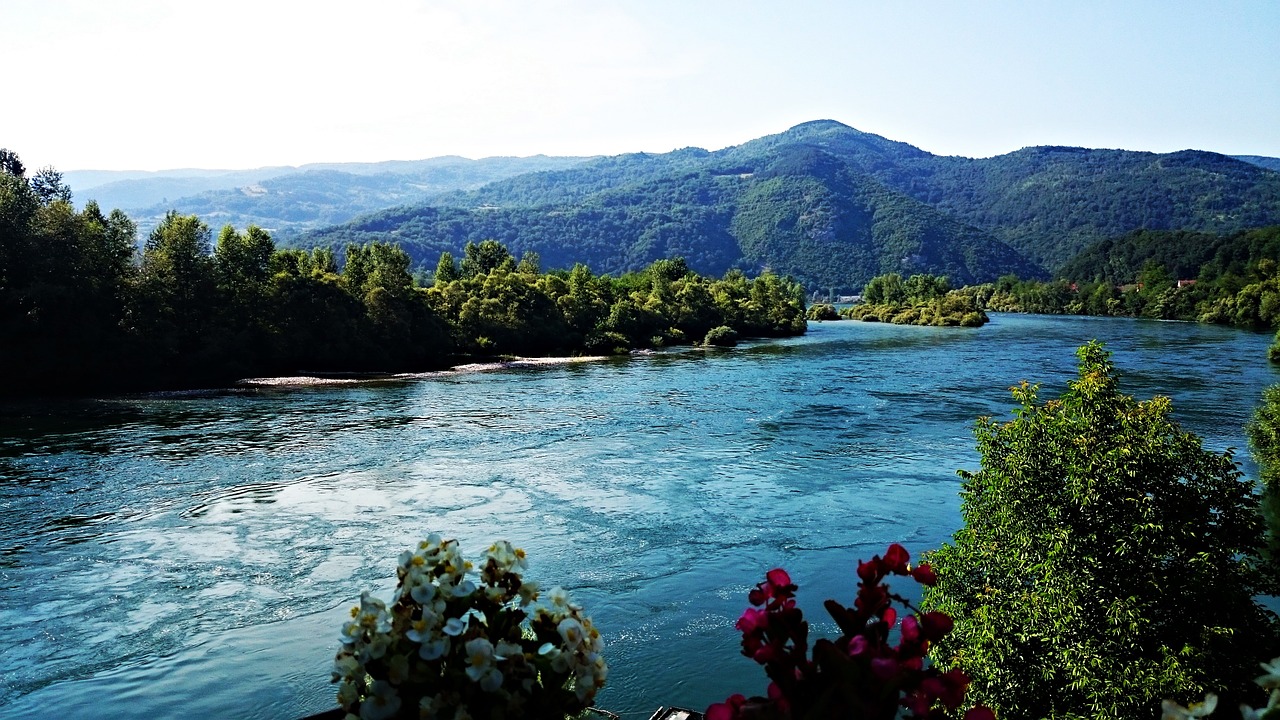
(721, 336)
(822, 311)
(1107, 560)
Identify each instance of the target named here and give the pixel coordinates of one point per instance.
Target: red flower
(924, 575)
(896, 559)
(936, 625)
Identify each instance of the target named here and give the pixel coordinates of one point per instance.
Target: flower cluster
(860, 674)
(1269, 681)
(451, 648)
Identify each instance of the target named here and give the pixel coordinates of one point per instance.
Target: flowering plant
(858, 675)
(1271, 711)
(453, 649)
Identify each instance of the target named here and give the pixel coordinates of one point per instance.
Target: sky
(159, 84)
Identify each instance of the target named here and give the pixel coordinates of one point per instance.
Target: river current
(195, 553)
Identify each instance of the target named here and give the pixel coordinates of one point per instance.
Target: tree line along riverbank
(82, 309)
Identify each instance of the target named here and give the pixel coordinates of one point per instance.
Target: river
(195, 553)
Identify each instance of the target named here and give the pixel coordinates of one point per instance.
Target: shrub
(1107, 560)
(449, 647)
(721, 336)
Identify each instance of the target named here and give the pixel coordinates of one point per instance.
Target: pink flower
(727, 710)
(858, 645)
(910, 631)
(778, 578)
(884, 668)
(753, 620)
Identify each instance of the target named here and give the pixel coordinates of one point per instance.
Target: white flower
(423, 593)
(559, 660)
(480, 669)
(348, 693)
(508, 651)
(424, 628)
(1174, 711)
(571, 633)
(584, 684)
(528, 593)
(434, 649)
(454, 627)
(559, 598)
(383, 702)
(377, 646)
(370, 617)
(1271, 680)
(464, 588)
(346, 667)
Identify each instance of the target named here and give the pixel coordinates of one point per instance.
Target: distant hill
(287, 200)
(835, 206)
(1269, 163)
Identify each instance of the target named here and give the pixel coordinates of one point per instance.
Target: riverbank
(321, 380)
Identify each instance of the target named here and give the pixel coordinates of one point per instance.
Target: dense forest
(834, 207)
(1168, 275)
(81, 308)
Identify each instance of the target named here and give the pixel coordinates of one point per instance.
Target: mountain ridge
(1026, 212)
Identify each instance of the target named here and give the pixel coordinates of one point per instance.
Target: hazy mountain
(286, 200)
(1269, 163)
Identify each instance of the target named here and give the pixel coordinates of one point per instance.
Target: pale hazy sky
(151, 84)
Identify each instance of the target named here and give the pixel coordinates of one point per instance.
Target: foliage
(83, 311)
(1107, 560)
(449, 647)
(721, 336)
(822, 311)
(1226, 279)
(918, 300)
(1263, 431)
(859, 674)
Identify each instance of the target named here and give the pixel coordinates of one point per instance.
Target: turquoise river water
(194, 554)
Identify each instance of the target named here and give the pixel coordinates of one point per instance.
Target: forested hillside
(834, 206)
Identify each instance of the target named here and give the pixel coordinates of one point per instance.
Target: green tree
(176, 292)
(1106, 561)
(447, 268)
(1264, 442)
(487, 256)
